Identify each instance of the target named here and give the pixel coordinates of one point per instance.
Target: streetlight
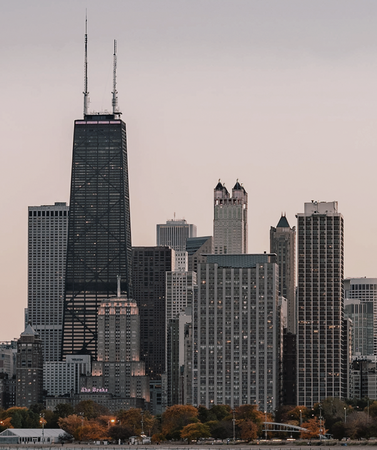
(42, 421)
(300, 418)
(345, 415)
(265, 425)
(142, 422)
(320, 422)
(234, 425)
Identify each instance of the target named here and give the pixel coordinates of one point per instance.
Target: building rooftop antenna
(115, 92)
(86, 93)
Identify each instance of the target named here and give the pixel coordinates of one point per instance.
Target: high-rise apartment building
(230, 219)
(322, 362)
(174, 234)
(283, 243)
(29, 369)
(149, 267)
(47, 248)
(236, 333)
(360, 305)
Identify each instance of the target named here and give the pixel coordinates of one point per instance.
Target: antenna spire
(86, 93)
(115, 92)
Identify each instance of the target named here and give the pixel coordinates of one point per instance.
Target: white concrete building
(63, 377)
(47, 247)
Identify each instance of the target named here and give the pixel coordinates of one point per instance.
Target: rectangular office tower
(47, 247)
(322, 362)
(99, 231)
(174, 234)
(237, 332)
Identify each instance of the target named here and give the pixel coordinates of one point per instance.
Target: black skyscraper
(99, 231)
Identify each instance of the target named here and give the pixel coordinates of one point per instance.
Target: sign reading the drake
(93, 389)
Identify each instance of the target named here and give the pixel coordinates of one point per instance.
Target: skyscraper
(237, 333)
(322, 364)
(29, 369)
(149, 267)
(230, 219)
(47, 247)
(175, 233)
(361, 307)
(99, 231)
(283, 243)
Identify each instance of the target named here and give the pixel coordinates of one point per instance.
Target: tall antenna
(86, 93)
(115, 92)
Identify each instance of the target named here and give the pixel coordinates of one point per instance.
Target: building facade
(29, 369)
(283, 243)
(62, 378)
(47, 248)
(118, 369)
(99, 231)
(236, 335)
(322, 364)
(230, 219)
(361, 306)
(174, 234)
(150, 265)
(196, 249)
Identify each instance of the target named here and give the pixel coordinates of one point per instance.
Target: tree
(91, 409)
(6, 423)
(120, 432)
(195, 431)
(249, 430)
(221, 411)
(176, 417)
(313, 429)
(64, 410)
(131, 419)
(72, 425)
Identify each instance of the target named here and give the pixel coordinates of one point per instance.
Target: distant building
(29, 371)
(118, 369)
(364, 378)
(360, 305)
(236, 332)
(322, 361)
(99, 229)
(150, 265)
(175, 233)
(230, 219)
(196, 249)
(47, 249)
(63, 377)
(8, 351)
(283, 243)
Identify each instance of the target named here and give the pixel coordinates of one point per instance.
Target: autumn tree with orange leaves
(313, 427)
(175, 418)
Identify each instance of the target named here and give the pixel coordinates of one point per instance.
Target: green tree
(91, 409)
(64, 410)
(195, 431)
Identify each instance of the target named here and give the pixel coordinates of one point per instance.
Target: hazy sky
(279, 94)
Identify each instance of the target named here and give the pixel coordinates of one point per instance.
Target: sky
(281, 95)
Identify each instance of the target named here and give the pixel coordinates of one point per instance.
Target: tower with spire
(230, 219)
(283, 243)
(99, 229)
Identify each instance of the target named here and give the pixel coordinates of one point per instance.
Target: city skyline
(279, 95)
